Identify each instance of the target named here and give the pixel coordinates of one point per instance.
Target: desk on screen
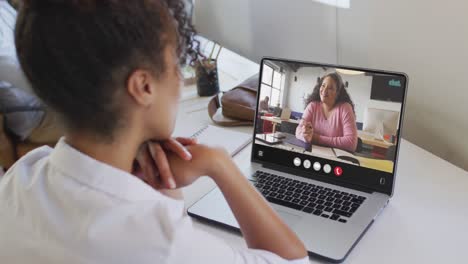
(329, 153)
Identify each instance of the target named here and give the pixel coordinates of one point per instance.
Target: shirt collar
(98, 175)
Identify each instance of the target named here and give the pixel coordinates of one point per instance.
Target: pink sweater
(338, 131)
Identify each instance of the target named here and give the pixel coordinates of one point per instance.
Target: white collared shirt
(62, 206)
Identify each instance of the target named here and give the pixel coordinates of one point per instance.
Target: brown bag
(238, 104)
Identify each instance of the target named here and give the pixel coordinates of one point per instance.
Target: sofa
(11, 147)
(7, 146)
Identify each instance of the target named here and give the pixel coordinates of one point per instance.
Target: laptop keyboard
(310, 198)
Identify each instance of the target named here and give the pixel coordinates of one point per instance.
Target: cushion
(21, 123)
(10, 70)
(15, 90)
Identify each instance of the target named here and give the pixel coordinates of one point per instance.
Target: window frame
(279, 89)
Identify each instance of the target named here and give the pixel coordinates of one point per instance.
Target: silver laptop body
(323, 237)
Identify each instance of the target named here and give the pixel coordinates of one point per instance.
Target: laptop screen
(328, 122)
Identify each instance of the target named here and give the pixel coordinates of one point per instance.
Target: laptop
(329, 202)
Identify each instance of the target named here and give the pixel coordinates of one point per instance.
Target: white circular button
(317, 166)
(327, 168)
(307, 164)
(297, 162)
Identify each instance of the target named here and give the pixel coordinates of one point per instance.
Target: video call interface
(341, 118)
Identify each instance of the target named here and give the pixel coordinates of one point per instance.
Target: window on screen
(272, 85)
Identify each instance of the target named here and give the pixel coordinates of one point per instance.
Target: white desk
(425, 222)
(278, 120)
(369, 139)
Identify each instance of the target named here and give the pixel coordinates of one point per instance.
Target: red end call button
(338, 171)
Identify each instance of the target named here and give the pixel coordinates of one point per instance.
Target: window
(337, 3)
(272, 84)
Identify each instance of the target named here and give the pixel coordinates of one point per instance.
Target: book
(228, 139)
(298, 142)
(347, 156)
(322, 151)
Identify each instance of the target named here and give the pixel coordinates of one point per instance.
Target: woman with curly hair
(329, 118)
(109, 192)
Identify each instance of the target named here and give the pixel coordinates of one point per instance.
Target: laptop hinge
(317, 177)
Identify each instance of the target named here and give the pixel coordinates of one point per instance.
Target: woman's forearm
(299, 133)
(261, 226)
(347, 143)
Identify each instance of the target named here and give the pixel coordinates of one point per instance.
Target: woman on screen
(329, 117)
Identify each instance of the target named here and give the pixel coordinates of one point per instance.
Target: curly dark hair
(78, 54)
(342, 95)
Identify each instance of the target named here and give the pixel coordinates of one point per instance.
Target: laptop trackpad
(289, 219)
(214, 207)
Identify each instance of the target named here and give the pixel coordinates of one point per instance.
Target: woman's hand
(206, 161)
(306, 130)
(151, 164)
